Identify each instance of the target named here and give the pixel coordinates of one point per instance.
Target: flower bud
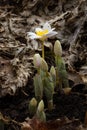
(53, 74)
(58, 48)
(33, 102)
(33, 106)
(44, 65)
(40, 114)
(37, 61)
(53, 71)
(40, 106)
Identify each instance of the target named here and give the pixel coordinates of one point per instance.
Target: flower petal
(35, 44)
(51, 30)
(33, 35)
(38, 29)
(47, 26)
(51, 33)
(30, 33)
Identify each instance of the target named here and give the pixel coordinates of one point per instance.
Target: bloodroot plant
(61, 73)
(45, 81)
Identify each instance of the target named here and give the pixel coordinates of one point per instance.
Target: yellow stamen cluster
(41, 33)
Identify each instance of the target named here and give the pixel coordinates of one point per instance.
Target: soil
(16, 69)
(72, 106)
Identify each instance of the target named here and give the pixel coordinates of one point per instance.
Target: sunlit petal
(47, 26)
(33, 35)
(50, 34)
(30, 33)
(38, 29)
(52, 30)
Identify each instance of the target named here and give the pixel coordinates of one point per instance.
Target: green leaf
(38, 86)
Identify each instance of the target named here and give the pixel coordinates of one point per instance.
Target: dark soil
(73, 106)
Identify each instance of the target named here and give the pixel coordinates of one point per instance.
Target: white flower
(42, 33)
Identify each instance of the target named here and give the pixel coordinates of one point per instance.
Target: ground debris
(69, 18)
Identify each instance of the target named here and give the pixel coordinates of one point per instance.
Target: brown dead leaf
(83, 73)
(1, 29)
(26, 126)
(14, 71)
(75, 77)
(59, 124)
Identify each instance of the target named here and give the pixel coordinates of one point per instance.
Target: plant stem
(43, 49)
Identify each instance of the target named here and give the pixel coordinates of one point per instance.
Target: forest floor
(17, 17)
